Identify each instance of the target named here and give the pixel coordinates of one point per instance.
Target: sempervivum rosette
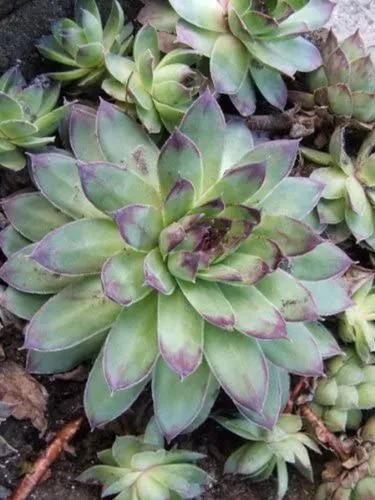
(248, 47)
(192, 267)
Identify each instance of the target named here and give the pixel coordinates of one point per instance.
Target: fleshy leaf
(204, 124)
(209, 301)
(101, 405)
(327, 343)
(330, 296)
(270, 84)
(178, 402)
(209, 15)
(178, 158)
(180, 334)
(131, 347)
(82, 133)
(156, 273)
(262, 320)
(298, 354)
(77, 313)
(139, 225)
(123, 279)
(289, 296)
(179, 200)
(32, 215)
(56, 176)
(23, 305)
(239, 365)
(12, 241)
(78, 248)
(238, 142)
(110, 188)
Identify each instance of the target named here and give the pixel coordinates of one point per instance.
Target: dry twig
(46, 459)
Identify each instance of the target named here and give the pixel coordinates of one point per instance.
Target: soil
(21, 23)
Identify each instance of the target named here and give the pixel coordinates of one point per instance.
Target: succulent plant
(140, 468)
(345, 82)
(28, 116)
(348, 201)
(193, 266)
(357, 323)
(81, 45)
(160, 89)
(270, 450)
(247, 47)
(355, 479)
(347, 388)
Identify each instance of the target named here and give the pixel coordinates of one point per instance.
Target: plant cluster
(167, 244)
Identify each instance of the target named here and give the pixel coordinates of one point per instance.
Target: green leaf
(56, 176)
(10, 109)
(22, 272)
(139, 225)
(245, 99)
(238, 142)
(291, 236)
(280, 156)
(110, 188)
(289, 296)
(298, 354)
(79, 248)
(92, 26)
(204, 124)
(209, 15)
(178, 158)
(113, 25)
(146, 39)
(330, 296)
(82, 133)
(282, 478)
(209, 301)
(156, 273)
(238, 184)
(74, 315)
(32, 215)
(131, 347)
(180, 333)
(102, 405)
(123, 278)
(65, 360)
(262, 320)
(185, 479)
(236, 269)
(123, 141)
(11, 241)
(229, 63)
(90, 55)
(201, 40)
(294, 197)
(23, 305)
(270, 83)
(179, 201)
(327, 343)
(14, 160)
(239, 365)
(178, 402)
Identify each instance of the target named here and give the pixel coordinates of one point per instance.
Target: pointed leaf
(139, 225)
(289, 296)
(238, 142)
(82, 133)
(11, 241)
(204, 124)
(110, 188)
(22, 272)
(102, 405)
(78, 248)
(179, 200)
(236, 269)
(209, 301)
(330, 296)
(179, 157)
(209, 15)
(131, 347)
(32, 215)
(199, 39)
(23, 305)
(270, 84)
(123, 278)
(291, 236)
(57, 178)
(156, 273)
(294, 197)
(239, 365)
(245, 99)
(180, 334)
(325, 261)
(123, 141)
(229, 63)
(77, 313)
(262, 320)
(298, 354)
(178, 402)
(327, 343)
